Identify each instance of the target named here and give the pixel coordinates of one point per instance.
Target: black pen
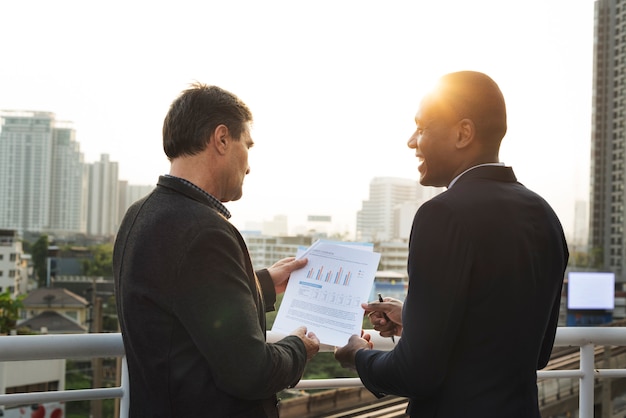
(380, 299)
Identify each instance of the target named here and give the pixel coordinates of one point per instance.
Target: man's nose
(412, 142)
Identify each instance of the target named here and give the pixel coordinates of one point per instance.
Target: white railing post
(125, 401)
(586, 386)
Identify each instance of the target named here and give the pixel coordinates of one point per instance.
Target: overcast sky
(333, 85)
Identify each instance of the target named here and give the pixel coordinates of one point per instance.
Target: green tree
(101, 262)
(596, 257)
(27, 246)
(9, 311)
(39, 253)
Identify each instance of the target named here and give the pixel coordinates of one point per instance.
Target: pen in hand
(380, 299)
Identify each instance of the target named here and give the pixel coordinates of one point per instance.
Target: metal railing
(42, 347)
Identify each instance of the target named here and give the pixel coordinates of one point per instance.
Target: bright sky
(333, 86)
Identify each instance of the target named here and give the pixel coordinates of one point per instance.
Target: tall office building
(42, 177)
(390, 208)
(25, 157)
(607, 194)
(45, 185)
(68, 183)
(103, 206)
(129, 194)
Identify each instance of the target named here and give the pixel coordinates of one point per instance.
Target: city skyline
(47, 186)
(333, 87)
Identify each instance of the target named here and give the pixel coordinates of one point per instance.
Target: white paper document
(326, 294)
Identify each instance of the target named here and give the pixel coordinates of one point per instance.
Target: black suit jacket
(486, 264)
(192, 313)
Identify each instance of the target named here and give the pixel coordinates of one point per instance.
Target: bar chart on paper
(326, 294)
(340, 277)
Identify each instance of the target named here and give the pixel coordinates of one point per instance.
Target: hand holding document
(326, 294)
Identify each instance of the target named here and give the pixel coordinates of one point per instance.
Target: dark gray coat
(192, 312)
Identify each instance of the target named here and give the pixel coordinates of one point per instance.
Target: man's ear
(466, 133)
(220, 139)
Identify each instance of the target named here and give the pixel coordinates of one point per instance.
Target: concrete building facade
(265, 250)
(129, 194)
(13, 264)
(607, 220)
(68, 183)
(103, 212)
(25, 157)
(42, 174)
(389, 211)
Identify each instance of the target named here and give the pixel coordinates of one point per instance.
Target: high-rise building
(103, 206)
(129, 194)
(42, 176)
(45, 185)
(68, 183)
(607, 195)
(25, 157)
(390, 208)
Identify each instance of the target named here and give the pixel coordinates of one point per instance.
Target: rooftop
(53, 297)
(53, 323)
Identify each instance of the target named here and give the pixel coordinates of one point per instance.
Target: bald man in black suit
(486, 264)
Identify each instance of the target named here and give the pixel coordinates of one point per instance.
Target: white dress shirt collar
(471, 168)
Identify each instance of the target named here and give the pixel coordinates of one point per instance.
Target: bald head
(475, 96)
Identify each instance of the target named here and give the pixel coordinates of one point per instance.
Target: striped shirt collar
(219, 206)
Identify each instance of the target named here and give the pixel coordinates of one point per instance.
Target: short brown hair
(195, 114)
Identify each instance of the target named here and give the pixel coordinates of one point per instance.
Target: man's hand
(310, 340)
(345, 355)
(377, 310)
(281, 270)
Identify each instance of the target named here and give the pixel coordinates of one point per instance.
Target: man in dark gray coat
(191, 308)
